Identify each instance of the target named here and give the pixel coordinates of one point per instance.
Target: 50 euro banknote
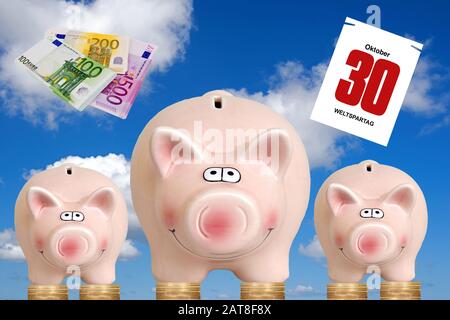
(108, 49)
(118, 97)
(72, 76)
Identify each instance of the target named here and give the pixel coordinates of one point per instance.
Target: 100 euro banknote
(118, 97)
(108, 49)
(72, 76)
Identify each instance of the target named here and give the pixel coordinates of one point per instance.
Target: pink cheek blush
(40, 244)
(104, 244)
(403, 241)
(271, 221)
(169, 219)
(339, 240)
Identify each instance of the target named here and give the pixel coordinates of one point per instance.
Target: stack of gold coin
(393, 290)
(262, 291)
(347, 291)
(48, 292)
(100, 292)
(178, 291)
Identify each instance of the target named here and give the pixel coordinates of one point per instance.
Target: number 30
(373, 98)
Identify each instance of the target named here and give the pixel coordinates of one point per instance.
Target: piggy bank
(70, 217)
(370, 217)
(219, 182)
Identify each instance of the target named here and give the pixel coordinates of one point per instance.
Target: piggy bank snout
(374, 241)
(73, 245)
(223, 215)
(223, 221)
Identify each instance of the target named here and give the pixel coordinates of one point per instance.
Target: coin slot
(69, 171)
(218, 102)
(369, 168)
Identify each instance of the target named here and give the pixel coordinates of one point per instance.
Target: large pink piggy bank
(370, 215)
(204, 205)
(70, 216)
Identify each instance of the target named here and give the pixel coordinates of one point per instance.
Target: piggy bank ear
(338, 196)
(39, 198)
(272, 147)
(403, 196)
(169, 147)
(104, 200)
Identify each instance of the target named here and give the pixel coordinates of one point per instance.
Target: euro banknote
(72, 76)
(108, 49)
(118, 97)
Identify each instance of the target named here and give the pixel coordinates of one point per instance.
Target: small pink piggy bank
(204, 205)
(370, 215)
(70, 217)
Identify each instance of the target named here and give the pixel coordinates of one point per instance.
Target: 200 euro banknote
(72, 76)
(108, 49)
(118, 97)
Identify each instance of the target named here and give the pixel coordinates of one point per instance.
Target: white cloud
(421, 97)
(128, 250)
(9, 247)
(312, 249)
(292, 93)
(114, 166)
(432, 127)
(165, 23)
(301, 289)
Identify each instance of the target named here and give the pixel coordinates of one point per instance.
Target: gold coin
(346, 291)
(100, 292)
(401, 290)
(177, 291)
(262, 291)
(48, 292)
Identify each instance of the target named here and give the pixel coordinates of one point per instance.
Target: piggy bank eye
(213, 174)
(78, 216)
(66, 216)
(231, 175)
(366, 213)
(377, 213)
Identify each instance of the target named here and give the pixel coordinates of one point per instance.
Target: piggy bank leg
(398, 284)
(263, 276)
(340, 270)
(180, 279)
(99, 283)
(346, 284)
(46, 284)
(400, 270)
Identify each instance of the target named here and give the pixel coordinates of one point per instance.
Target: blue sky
(274, 51)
